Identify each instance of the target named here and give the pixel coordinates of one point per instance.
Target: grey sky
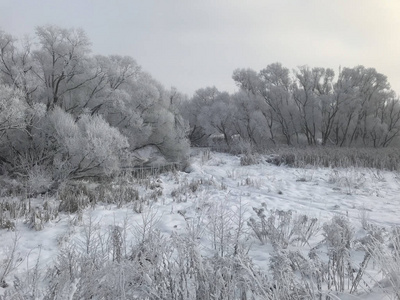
(194, 44)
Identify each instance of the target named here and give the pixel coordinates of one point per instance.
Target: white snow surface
(317, 192)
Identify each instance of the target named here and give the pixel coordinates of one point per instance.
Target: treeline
(68, 114)
(306, 106)
(65, 113)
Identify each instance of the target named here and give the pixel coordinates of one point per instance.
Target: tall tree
(62, 62)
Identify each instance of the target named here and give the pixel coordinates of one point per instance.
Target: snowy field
(220, 194)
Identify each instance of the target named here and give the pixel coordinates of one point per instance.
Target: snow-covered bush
(39, 180)
(339, 235)
(388, 259)
(282, 228)
(284, 265)
(87, 147)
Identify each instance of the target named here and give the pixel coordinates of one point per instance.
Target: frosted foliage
(62, 62)
(65, 127)
(62, 91)
(170, 136)
(103, 141)
(36, 110)
(88, 146)
(39, 179)
(12, 109)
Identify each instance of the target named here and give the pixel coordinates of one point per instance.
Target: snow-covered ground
(218, 181)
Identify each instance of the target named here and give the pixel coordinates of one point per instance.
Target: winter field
(228, 229)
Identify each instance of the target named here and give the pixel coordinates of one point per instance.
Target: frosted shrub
(87, 147)
(339, 236)
(226, 228)
(284, 264)
(388, 259)
(282, 228)
(39, 180)
(374, 236)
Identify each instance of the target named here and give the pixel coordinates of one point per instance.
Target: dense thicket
(74, 114)
(307, 106)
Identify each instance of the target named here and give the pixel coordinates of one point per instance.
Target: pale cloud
(193, 44)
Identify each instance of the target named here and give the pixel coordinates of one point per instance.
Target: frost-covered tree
(221, 117)
(62, 59)
(86, 147)
(191, 111)
(17, 66)
(367, 110)
(58, 83)
(273, 85)
(17, 120)
(252, 117)
(309, 105)
(310, 92)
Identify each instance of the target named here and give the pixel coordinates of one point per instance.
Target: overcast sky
(190, 44)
